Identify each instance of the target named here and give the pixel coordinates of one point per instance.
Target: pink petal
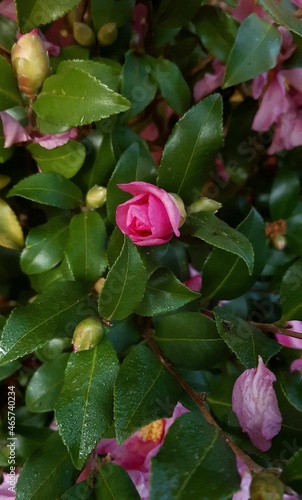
(293, 77)
(245, 8)
(210, 81)
(255, 404)
(288, 47)
(291, 341)
(273, 104)
(55, 140)
(7, 9)
(259, 83)
(13, 131)
(296, 365)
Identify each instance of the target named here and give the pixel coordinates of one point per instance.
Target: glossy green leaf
(82, 489)
(45, 246)
(294, 233)
(189, 340)
(171, 84)
(54, 314)
(290, 292)
(135, 164)
(65, 160)
(84, 410)
(45, 385)
(164, 293)
(8, 30)
(217, 31)
(11, 234)
(244, 340)
(48, 472)
(77, 98)
(290, 384)
(85, 252)
(108, 75)
(209, 228)
(137, 83)
(194, 462)
(284, 195)
(281, 15)
(123, 291)
(144, 392)
(292, 472)
(108, 11)
(224, 275)
(255, 50)
(9, 92)
(100, 160)
(8, 369)
(49, 189)
(188, 151)
(175, 13)
(33, 13)
(114, 483)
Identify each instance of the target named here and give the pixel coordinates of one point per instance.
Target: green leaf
(85, 252)
(109, 11)
(113, 482)
(8, 369)
(255, 50)
(217, 31)
(188, 151)
(33, 13)
(290, 292)
(172, 85)
(292, 471)
(108, 75)
(164, 293)
(125, 284)
(65, 160)
(209, 228)
(8, 30)
(45, 385)
(188, 464)
(175, 13)
(144, 392)
(84, 410)
(45, 246)
(135, 164)
(5, 153)
(11, 235)
(54, 314)
(224, 275)
(244, 340)
(294, 233)
(77, 98)
(47, 473)
(290, 385)
(189, 340)
(281, 15)
(137, 83)
(49, 189)
(284, 195)
(9, 92)
(100, 160)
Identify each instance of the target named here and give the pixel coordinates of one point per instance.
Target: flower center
(152, 432)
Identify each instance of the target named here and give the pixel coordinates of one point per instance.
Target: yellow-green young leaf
(108, 75)
(11, 235)
(77, 98)
(33, 13)
(65, 160)
(9, 92)
(4, 181)
(84, 410)
(281, 15)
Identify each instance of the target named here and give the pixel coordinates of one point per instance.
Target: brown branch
(253, 466)
(267, 327)
(201, 65)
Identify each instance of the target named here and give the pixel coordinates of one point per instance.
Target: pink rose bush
(152, 217)
(255, 403)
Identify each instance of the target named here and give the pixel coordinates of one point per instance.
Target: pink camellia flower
(291, 341)
(210, 81)
(151, 217)
(8, 486)
(246, 8)
(195, 281)
(255, 404)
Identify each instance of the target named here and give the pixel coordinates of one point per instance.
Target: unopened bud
(180, 205)
(87, 334)
(279, 242)
(99, 285)
(31, 63)
(96, 197)
(204, 205)
(266, 486)
(83, 34)
(107, 34)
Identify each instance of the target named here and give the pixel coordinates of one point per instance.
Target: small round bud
(266, 486)
(204, 205)
(31, 63)
(83, 34)
(107, 34)
(279, 242)
(180, 205)
(99, 285)
(87, 334)
(96, 197)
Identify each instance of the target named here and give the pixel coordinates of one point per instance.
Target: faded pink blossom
(210, 81)
(8, 486)
(135, 454)
(194, 282)
(287, 341)
(14, 133)
(255, 404)
(151, 217)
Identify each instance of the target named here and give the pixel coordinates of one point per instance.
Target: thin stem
(253, 466)
(267, 327)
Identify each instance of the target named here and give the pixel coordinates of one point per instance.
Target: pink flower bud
(255, 404)
(31, 63)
